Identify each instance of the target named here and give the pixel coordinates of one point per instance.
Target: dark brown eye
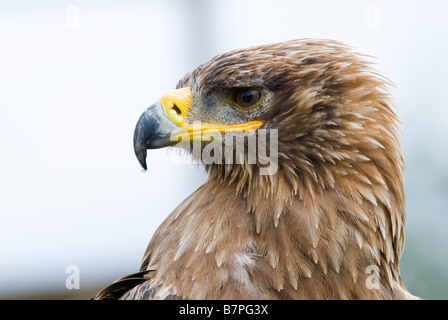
(246, 97)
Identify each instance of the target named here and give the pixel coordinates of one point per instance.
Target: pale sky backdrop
(76, 75)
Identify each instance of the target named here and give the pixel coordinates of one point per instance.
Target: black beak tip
(142, 161)
(140, 152)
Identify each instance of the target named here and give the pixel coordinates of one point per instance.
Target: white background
(75, 76)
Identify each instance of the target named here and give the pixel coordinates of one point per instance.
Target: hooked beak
(152, 132)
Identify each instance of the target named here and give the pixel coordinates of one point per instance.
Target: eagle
(304, 197)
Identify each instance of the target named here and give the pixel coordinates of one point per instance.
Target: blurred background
(76, 211)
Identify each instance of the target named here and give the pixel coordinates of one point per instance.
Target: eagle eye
(245, 98)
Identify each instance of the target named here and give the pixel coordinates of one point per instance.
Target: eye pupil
(246, 97)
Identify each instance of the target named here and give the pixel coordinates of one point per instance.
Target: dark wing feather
(120, 287)
(136, 286)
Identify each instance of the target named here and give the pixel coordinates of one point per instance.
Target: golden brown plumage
(327, 223)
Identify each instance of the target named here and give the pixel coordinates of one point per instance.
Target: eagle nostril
(176, 113)
(177, 110)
